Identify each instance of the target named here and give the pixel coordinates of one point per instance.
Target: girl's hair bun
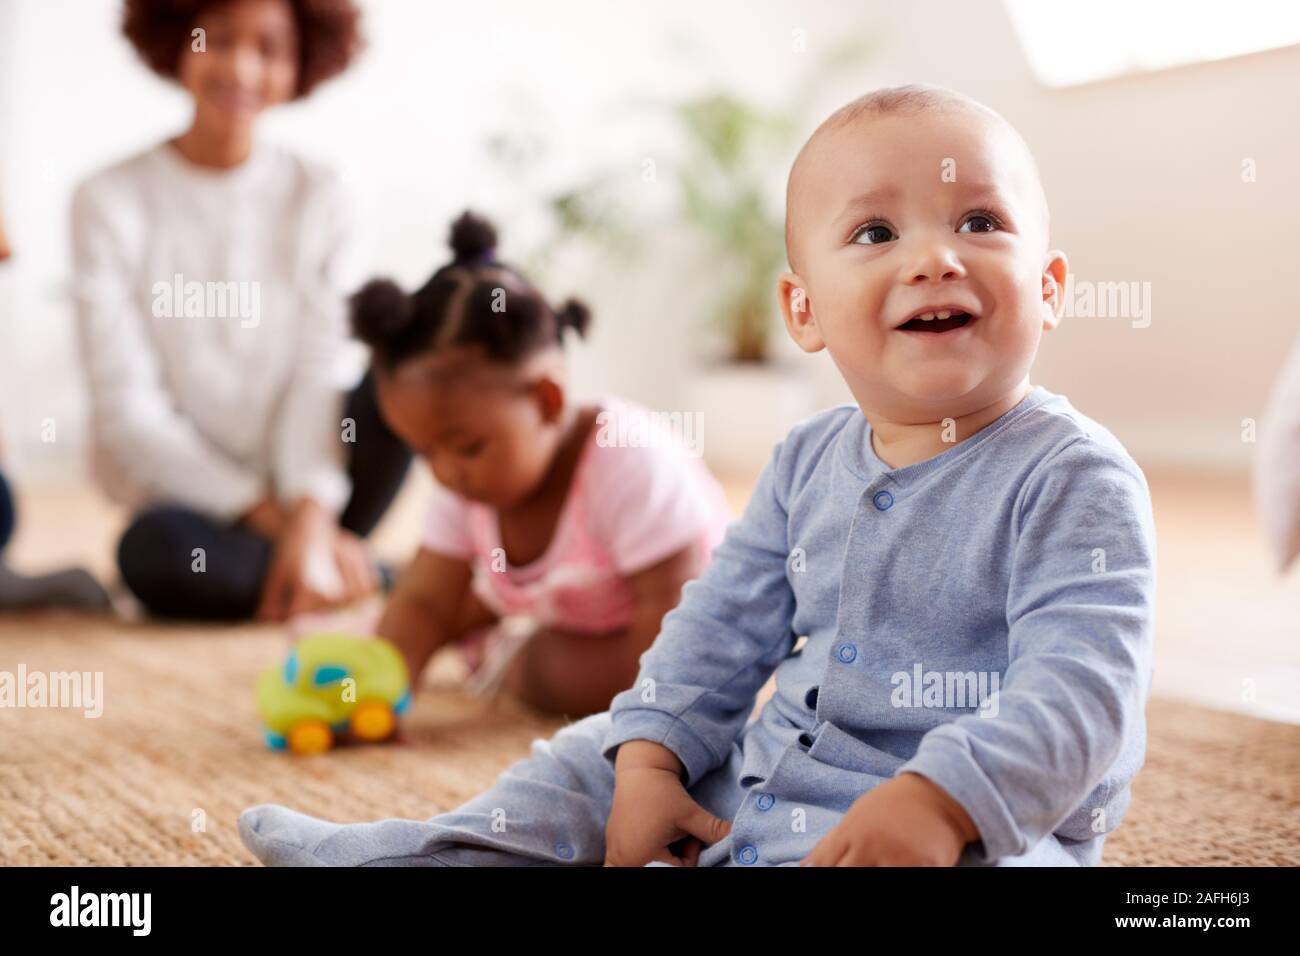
(473, 240)
(574, 315)
(381, 311)
(458, 306)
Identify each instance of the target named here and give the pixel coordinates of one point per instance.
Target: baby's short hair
(910, 99)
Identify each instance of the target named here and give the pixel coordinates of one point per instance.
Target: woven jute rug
(161, 775)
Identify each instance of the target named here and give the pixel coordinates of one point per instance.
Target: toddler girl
(548, 527)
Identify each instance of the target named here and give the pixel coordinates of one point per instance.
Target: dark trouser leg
(67, 588)
(6, 513)
(179, 563)
(156, 555)
(377, 461)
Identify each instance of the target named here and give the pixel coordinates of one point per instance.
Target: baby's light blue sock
(279, 836)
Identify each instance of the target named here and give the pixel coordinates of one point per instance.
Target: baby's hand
(652, 810)
(907, 821)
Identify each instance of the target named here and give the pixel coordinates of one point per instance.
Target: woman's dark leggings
(6, 513)
(156, 553)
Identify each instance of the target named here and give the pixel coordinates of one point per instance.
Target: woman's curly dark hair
(329, 35)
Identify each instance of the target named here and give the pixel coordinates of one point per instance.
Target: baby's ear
(797, 311)
(1056, 270)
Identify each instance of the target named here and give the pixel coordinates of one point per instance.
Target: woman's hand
(315, 565)
(267, 518)
(355, 565)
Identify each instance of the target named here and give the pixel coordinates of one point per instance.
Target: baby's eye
(472, 451)
(989, 224)
(873, 233)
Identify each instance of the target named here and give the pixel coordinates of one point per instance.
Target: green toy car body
(332, 684)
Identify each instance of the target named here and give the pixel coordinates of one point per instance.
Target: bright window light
(1069, 42)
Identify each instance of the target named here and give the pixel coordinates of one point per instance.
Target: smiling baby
(952, 579)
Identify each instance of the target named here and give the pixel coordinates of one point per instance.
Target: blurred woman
(210, 272)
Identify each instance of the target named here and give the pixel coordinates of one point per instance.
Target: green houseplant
(723, 182)
(735, 151)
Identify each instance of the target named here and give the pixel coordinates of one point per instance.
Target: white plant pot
(746, 410)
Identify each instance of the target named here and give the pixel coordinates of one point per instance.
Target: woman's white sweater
(212, 324)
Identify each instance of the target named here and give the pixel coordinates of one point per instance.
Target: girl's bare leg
(560, 672)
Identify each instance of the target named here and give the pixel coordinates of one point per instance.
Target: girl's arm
(568, 673)
(431, 606)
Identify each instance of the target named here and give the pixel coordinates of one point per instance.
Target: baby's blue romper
(983, 618)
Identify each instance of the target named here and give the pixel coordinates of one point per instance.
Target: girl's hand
(267, 518)
(907, 821)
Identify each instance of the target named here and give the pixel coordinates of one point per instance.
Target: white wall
(1143, 174)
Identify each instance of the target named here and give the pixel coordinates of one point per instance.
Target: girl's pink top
(639, 493)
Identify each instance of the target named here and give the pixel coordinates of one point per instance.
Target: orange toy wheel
(373, 720)
(310, 737)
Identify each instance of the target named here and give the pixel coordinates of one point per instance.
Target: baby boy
(952, 579)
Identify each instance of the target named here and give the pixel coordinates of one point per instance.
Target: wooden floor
(160, 776)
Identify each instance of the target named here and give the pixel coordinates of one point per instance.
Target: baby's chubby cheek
(993, 360)
(879, 362)
(856, 348)
(885, 367)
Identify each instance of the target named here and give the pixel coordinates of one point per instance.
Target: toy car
(333, 685)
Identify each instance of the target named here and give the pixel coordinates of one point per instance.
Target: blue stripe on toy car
(328, 674)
